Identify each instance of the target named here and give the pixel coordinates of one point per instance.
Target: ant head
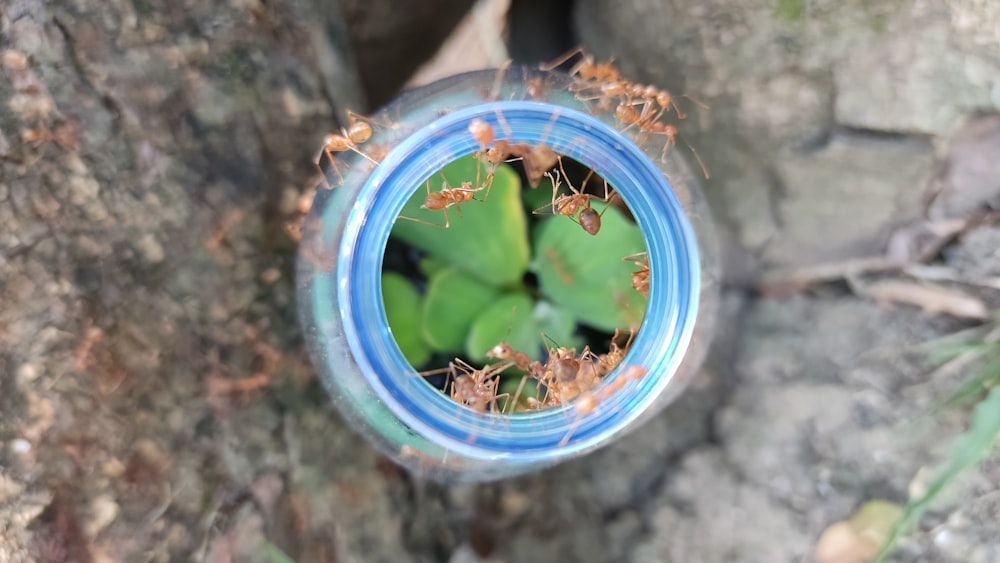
(501, 350)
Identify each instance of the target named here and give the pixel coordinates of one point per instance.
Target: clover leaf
(585, 275)
(453, 300)
(403, 312)
(508, 319)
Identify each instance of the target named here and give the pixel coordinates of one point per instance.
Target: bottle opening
(515, 278)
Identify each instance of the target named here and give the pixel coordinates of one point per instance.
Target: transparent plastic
(340, 264)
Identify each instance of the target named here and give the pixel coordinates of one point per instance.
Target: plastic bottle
(340, 262)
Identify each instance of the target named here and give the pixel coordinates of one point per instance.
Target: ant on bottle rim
(358, 131)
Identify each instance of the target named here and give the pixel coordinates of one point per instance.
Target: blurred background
(156, 403)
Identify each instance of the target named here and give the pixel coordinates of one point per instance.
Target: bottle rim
(556, 432)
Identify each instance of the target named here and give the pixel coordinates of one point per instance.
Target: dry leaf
(841, 544)
(929, 297)
(858, 539)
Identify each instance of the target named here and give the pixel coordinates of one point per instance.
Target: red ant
(522, 361)
(646, 122)
(535, 87)
(640, 277)
(445, 198)
(578, 201)
(358, 131)
(587, 401)
(608, 362)
(476, 389)
(66, 136)
(537, 159)
(662, 98)
(587, 68)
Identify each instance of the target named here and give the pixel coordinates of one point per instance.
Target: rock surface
(827, 127)
(152, 152)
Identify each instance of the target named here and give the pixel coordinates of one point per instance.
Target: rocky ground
(151, 153)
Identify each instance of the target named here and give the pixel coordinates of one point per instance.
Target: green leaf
(558, 324)
(585, 274)
(273, 554)
(790, 10)
(430, 265)
(402, 310)
(509, 319)
(452, 301)
(486, 239)
(987, 377)
(968, 450)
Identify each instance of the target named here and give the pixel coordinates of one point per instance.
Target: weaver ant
(522, 361)
(587, 69)
(535, 87)
(66, 136)
(476, 389)
(578, 201)
(647, 123)
(358, 131)
(588, 401)
(445, 198)
(537, 159)
(640, 277)
(574, 374)
(608, 362)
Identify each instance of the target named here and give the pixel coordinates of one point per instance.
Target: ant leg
(639, 259)
(667, 146)
(608, 199)
(562, 59)
(322, 174)
(447, 223)
(677, 110)
(363, 155)
(566, 177)
(502, 121)
(586, 179)
(517, 393)
(333, 165)
(550, 125)
(495, 406)
(555, 191)
(701, 163)
(498, 79)
(486, 184)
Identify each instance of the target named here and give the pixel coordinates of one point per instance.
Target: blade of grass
(987, 378)
(968, 450)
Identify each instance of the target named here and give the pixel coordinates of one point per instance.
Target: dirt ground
(156, 403)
